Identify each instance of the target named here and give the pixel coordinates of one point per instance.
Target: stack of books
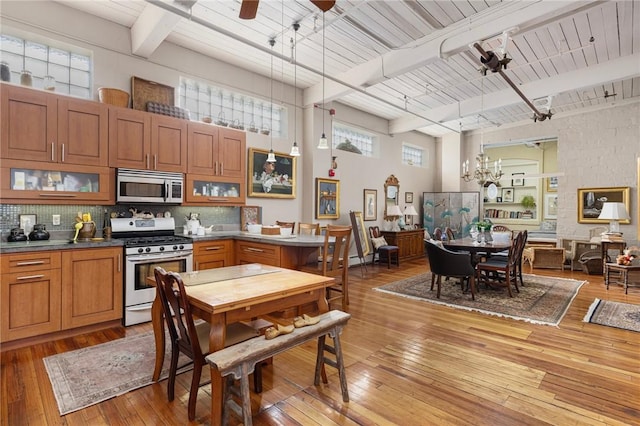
(612, 237)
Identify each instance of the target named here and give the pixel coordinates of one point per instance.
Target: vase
(25, 78)
(5, 72)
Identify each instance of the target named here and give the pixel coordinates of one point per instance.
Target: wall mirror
(391, 191)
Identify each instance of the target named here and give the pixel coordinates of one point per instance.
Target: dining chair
(449, 233)
(192, 339)
(447, 263)
(500, 272)
(291, 225)
(437, 234)
(381, 247)
(308, 228)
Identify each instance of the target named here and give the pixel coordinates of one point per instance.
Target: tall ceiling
(412, 61)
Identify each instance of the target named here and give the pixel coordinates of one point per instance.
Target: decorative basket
(111, 96)
(271, 230)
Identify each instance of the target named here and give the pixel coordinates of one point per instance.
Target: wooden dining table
(473, 247)
(239, 293)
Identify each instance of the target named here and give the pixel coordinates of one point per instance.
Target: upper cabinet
(217, 151)
(144, 141)
(40, 126)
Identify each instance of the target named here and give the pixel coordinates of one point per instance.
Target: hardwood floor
(408, 362)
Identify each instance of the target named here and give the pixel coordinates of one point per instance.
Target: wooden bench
(237, 362)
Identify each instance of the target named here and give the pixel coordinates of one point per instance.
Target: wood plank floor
(408, 362)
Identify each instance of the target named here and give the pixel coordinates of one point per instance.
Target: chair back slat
(282, 224)
(309, 228)
(336, 252)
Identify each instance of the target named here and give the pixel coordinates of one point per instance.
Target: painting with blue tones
(456, 210)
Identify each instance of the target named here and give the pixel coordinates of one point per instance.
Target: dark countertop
(27, 246)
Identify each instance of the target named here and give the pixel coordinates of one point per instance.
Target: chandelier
(483, 173)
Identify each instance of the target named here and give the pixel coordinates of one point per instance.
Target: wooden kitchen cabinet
(212, 254)
(217, 151)
(255, 252)
(30, 292)
(91, 286)
(41, 126)
(146, 141)
(410, 242)
(203, 189)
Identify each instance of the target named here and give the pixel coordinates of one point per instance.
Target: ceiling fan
(249, 8)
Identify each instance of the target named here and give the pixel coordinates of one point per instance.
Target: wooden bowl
(114, 97)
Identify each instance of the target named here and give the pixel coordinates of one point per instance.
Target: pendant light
(295, 151)
(271, 158)
(322, 144)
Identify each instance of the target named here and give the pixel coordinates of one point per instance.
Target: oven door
(138, 294)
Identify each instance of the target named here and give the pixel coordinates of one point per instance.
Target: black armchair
(449, 263)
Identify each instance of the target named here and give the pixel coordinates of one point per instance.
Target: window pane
(11, 44)
(59, 72)
(80, 62)
(60, 57)
(80, 78)
(37, 67)
(35, 50)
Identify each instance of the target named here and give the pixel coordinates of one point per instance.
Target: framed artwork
(370, 207)
(27, 221)
(457, 210)
(250, 215)
(552, 184)
(408, 197)
(551, 206)
(590, 201)
(517, 179)
(327, 198)
(507, 195)
(271, 180)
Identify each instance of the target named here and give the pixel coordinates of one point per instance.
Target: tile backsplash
(228, 217)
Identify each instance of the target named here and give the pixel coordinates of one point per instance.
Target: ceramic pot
(39, 233)
(87, 231)
(17, 234)
(5, 72)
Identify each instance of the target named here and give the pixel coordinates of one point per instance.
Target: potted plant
(528, 202)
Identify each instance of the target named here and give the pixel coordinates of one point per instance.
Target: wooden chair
(291, 225)
(449, 233)
(389, 251)
(335, 263)
(496, 272)
(443, 262)
(500, 228)
(308, 228)
(190, 339)
(437, 234)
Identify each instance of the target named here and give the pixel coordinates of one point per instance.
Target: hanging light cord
(295, 80)
(323, 78)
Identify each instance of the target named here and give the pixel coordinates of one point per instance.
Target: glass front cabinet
(201, 189)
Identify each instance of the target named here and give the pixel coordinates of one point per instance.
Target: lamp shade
(410, 211)
(614, 211)
(394, 211)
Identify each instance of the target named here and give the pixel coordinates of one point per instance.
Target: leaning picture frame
(250, 215)
(27, 221)
(590, 201)
(271, 179)
(551, 206)
(370, 208)
(517, 179)
(327, 198)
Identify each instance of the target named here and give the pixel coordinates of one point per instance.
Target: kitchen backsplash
(227, 217)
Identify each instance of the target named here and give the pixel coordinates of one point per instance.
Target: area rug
(91, 375)
(542, 300)
(614, 314)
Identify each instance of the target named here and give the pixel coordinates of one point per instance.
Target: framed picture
(551, 206)
(507, 195)
(552, 184)
(271, 180)
(517, 179)
(590, 201)
(498, 199)
(408, 197)
(27, 221)
(327, 198)
(250, 215)
(370, 208)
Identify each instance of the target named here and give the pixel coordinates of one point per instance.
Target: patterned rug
(614, 314)
(91, 375)
(542, 300)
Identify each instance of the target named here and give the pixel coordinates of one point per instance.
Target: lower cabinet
(212, 254)
(410, 243)
(44, 292)
(255, 252)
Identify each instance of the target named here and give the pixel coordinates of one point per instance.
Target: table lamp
(394, 213)
(614, 212)
(410, 211)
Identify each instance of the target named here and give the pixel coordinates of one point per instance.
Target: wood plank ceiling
(411, 61)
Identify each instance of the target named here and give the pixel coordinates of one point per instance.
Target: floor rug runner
(94, 374)
(542, 300)
(614, 314)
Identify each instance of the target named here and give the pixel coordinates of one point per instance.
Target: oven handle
(155, 257)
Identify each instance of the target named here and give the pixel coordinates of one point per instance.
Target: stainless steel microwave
(144, 186)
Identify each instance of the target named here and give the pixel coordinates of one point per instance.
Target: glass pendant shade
(323, 144)
(271, 158)
(295, 151)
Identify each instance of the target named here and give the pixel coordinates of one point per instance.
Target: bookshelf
(506, 208)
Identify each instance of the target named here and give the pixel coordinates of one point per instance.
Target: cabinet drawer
(250, 252)
(27, 262)
(212, 254)
(212, 247)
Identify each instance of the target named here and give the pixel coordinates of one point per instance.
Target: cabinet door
(129, 138)
(91, 286)
(29, 125)
(253, 252)
(30, 304)
(232, 153)
(168, 144)
(83, 132)
(202, 148)
(212, 254)
(201, 189)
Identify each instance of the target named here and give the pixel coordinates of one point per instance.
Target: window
(352, 140)
(204, 100)
(412, 155)
(71, 68)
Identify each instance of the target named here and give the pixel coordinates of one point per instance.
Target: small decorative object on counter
(39, 233)
(26, 79)
(17, 234)
(49, 83)
(5, 71)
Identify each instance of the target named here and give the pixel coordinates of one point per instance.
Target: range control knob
(175, 247)
(161, 248)
(147, 249)
(140, 250)
(181, 247)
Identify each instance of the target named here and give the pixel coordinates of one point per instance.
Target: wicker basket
(115, 97)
